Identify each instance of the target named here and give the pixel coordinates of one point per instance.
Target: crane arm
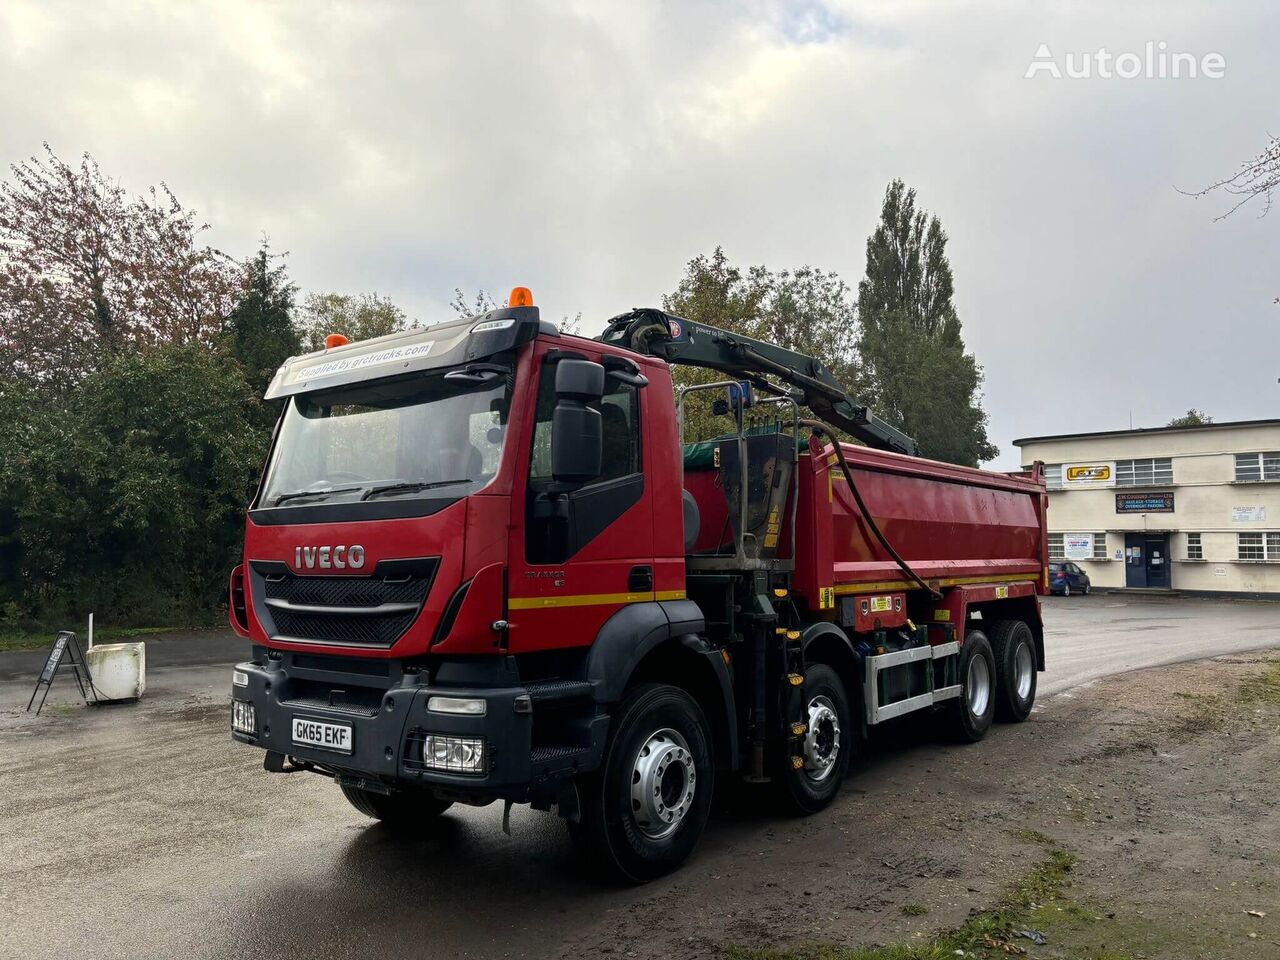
(655, 333)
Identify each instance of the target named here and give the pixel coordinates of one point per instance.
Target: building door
(1135, 560)
(1157, 560)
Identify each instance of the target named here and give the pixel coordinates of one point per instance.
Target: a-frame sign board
(65, 648)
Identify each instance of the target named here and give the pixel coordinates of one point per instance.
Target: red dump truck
(482, 566)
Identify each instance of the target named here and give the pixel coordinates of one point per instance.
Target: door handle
(640, 580)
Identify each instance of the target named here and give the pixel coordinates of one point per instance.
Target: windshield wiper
(408, 487)
(297, 494)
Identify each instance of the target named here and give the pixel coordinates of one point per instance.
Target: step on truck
(482, 566)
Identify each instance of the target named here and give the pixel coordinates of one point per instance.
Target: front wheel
(643, 812)
(405, 808)
(970, 715)
(829, 740)
(1066, 589)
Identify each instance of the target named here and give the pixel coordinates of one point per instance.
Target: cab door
(580, 555)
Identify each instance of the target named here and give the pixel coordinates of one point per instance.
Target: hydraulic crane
(656, 333)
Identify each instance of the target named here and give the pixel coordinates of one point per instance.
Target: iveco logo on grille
(341, 557)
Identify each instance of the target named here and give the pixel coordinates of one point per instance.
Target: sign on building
(1144, 502)
(1077, 546)
(1248, 514)
(1096, 474)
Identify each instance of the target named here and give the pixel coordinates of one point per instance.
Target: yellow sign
(881, 604)
(1090, 473)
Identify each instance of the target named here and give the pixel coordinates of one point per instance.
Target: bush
(128, 498)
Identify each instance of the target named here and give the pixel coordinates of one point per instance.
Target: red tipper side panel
(953, 525)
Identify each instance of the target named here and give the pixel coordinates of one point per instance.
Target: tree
(260, 331)
(807, 310)
(920, 377)
(87, 270)
(129, 500)
(1257, 178)
(1192, 418)
(360, 317)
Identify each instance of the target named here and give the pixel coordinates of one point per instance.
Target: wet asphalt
(145, 831)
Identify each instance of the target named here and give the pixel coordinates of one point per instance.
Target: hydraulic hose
(818, 427)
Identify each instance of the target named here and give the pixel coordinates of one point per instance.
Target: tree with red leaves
(88, 270)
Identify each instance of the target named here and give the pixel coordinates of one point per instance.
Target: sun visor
(426, 348)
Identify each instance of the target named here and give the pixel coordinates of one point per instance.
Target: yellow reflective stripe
(590, 599)
(845, 589)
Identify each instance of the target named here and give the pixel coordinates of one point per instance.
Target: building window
(1099, 546)
(1055, 546)
(1150, 472)
(1258, 546)
(1194, 549)
(1252, 467)
(1053, 476)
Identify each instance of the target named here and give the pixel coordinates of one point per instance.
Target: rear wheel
(970, 714)
(643, 812)
(828, 744)
(1014, 648)
(405, 808)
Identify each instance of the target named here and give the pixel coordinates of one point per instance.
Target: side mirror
(576, 429)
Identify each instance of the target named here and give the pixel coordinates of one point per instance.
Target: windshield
(385, 440)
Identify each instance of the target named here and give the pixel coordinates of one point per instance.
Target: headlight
(454, 754)
(243, 719)
(239, 678)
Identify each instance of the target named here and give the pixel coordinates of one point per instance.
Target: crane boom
(653, 332)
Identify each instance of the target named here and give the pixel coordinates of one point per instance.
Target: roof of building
(1138, 431)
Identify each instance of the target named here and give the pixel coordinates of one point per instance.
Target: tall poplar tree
(919, 376)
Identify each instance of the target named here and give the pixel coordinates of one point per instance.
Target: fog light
(454, 754)
(243, 719)
(463, 705)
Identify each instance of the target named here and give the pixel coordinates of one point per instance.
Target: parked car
(1066, 578)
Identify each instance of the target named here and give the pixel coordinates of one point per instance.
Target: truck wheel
(972, 712)
(402, 809)
(828, 745)
(1015, 653)
(642, 813)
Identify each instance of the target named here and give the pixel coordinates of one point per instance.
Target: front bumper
(387, 733)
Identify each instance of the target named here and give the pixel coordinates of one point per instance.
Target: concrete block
(119, 670)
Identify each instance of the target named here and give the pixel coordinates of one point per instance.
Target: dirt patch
(1135, 818)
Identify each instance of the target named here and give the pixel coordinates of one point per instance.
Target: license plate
(326, 736)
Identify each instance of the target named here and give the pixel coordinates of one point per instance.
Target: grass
(1264, 688)
(987, 934)
(16, 638)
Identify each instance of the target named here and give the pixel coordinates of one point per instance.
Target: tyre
(1087, 587)
(1014, 648)
(405, 808)
(1066, 589)
(643, 812)
(830, 736)
(971, 713)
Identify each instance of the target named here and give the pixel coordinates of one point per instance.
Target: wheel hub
(978, 687)
(1023, 670)
(663, 783)
(821, 739)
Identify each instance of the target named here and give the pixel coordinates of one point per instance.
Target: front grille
(372, 611)
(366, 630)
(338, 705)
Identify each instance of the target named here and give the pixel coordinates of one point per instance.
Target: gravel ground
(142, 831)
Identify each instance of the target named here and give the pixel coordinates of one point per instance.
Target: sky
(588, 150)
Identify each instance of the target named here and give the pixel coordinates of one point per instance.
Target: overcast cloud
(587, 150)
